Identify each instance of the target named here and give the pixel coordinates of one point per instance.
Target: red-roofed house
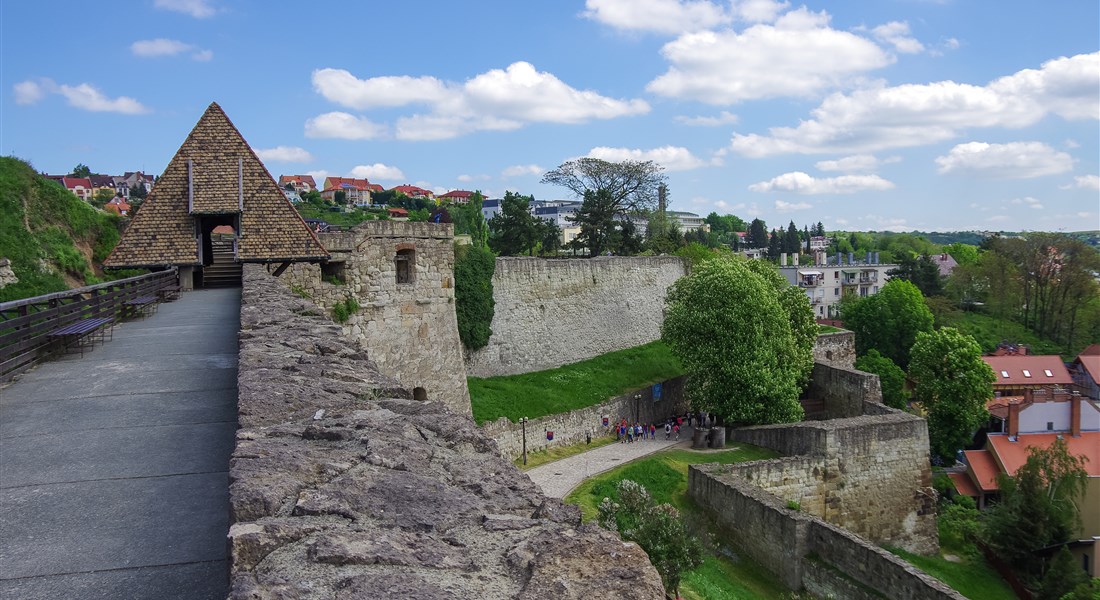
(356, 191)
(1086, 372)
(1016, 373)
(456, 197)
(118, 205)
(414, 192)
(81, 186)
(300, 183)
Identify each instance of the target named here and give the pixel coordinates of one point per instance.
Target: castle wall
(838, 348)
(555, 312)
(411, 328)
(844, 389)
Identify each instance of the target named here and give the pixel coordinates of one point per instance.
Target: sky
(893, 115)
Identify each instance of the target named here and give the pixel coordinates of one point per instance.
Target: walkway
(114, 466)
(560, 477)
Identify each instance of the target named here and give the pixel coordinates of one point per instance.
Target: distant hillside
(54, 240)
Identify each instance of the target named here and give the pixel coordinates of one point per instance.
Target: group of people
(628, 433)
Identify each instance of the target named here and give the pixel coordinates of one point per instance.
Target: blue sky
(889, 115)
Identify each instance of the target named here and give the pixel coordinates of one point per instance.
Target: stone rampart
(555, 312)
(343, 487)
(571, 427)
(844, 390)
(838, 348)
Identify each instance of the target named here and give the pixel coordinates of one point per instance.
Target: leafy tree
(102, 197)
(663, 234)
(953, 384)
(419, 215)
(386, 197)
(657, 528)
(549, 236)
(1038, 506)
(922, 271)
(630, 242)
(630, 185)
(474, 304)
(137, 191)
(964, 254)
(890, 376)
(340, 197)
(512, 231)
(596, 219)
(888, 321)
(733, 335)
(81, 170)
(758, 235)
(313, 197)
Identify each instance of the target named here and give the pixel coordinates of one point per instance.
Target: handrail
(25, 324)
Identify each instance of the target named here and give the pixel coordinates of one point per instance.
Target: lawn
(570, 387)
(990, 331)
(971, 578)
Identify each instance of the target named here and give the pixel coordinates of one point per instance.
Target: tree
(792, 242)
(548, 235)
(953, 384)
(102, 197)
(733, 335)
(657, 528)
(1062, 577)
(596, 218)
(964, 254)
(630, 242)
(474, 304)
(631, 185)
(1038, 506)
(775, 245)
(758, 235)
(81, 170)
(921, 270)
(888, 321)
(340, 198)
(662, 234)
(891, 378)
(137, 191)
(512, 231)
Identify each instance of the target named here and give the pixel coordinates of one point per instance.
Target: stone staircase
(225, 271)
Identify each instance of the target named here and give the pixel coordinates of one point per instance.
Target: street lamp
(523, 422)
(637, 406)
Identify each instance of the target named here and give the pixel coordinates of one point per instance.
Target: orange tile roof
(1091, 362)
(1014, 454)
(964, 485)
(1035, 365)
(985, 469)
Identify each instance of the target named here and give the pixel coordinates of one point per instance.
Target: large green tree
(888, 321)
(474, 304)
(631, 185)
(953, 384)
(891, 378)
(732, 332)
(758, 234)
(596, 219)
(513, 230)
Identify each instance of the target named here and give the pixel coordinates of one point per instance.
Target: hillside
(54, 240)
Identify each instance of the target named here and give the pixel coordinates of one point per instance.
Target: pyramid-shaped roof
(215, 172)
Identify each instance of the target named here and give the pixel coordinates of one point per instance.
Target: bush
(474, 304)
(343, 311)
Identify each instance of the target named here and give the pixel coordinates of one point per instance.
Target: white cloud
(284, 154)
(1087, 182)
(1028, 201)
(378, 171)
(87, 97)
(661, 16)
(497, 100)
(319, 175)
(28, 92)
(200, 9)
(801, 183)
(784, 207)
(883, 117)
(1014, 160)
(723, 118)
(203, 55)
(521, 170)
(896, 34)
(672, 158)
(758, 11)
(765, 61)
(343, 126)
(166, 47)
(858, 163)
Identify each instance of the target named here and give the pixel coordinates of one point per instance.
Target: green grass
(971, 578)
(720, 578)
(570, 387)
(553, 453)
(990, 331)
(827, 329)
(343, 219)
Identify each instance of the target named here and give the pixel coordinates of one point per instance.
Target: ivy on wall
(474, 304)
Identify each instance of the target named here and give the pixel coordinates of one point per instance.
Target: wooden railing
(25, 324)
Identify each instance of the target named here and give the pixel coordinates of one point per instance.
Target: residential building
(946, 263)
(818, 243)
(132, 178)
(356, 191)
(80, 186)
(1085, 371)
(300, 183)
(118, 205)
(455, 197)
(688, 222)
(413, 191)
(292, 195)
(1017, 373)
(826, 283)
(103, 182)
(490, 207)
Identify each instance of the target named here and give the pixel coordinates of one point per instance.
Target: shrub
(474, 304)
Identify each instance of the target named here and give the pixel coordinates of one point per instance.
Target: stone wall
(571, 427)
(555, 312)
(343, 487)
(837, 348)
(844, 391)
(411, 327)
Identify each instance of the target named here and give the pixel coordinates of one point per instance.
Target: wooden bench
(142, 305)
(79, 331)
(169, 293)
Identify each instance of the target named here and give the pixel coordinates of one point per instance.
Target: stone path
(560, 477)
(114, 466)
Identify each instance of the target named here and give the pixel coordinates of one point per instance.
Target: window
(334, 273)
(836, 291)
(1027, 373)
(1004, 374)
(1050, 426)
(836, 274)
(405, 265)
(1048, 373)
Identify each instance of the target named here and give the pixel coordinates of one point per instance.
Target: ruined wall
(411, 327)
(571, 427)
(555, 312)
(844, 390)
(342, 487)
(838, 348)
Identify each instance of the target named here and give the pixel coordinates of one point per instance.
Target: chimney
(794, 259)
(782, 259)
(1075, 415)
(876, 258)
(1013, 419)
(868, 259)
(662, 198)
(851, 258)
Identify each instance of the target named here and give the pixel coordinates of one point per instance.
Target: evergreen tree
(791, 242)
(596, 219)
(512, 231)
(775, 245)
(758, 235)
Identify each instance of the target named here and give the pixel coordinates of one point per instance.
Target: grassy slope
(574, 386)
(63, 231)
(990, 331)
(972, 578)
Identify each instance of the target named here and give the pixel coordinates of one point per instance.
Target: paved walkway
(114, 466)
(560, 477)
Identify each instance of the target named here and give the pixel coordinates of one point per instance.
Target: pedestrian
(668, 429)
(690, 418)
(676, 429)
(652, 431)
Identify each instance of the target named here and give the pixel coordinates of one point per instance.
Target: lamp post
(523, 422)
(637, 406)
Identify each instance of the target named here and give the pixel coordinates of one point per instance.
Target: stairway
(225, 271)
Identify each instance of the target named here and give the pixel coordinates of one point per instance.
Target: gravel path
(560, 477)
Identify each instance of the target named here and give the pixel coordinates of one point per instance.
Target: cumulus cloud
(802, 183)
(758, 11)
(521, 170)
(765, 61)
(200, 9)
(723, 118)
(1014, 160)
(166, 47)
(344, 126)
(883, 117)
(660, 16)
(1027, 201)
(783, 207)
(466, 178)
(85, 96)
(499, 99)
(28, 92)
(672, 158)
(858, 163)
(378, 171)
(1087, 182)
(896, 34)
(292, 154)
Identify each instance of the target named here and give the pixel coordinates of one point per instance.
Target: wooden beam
(282, 267)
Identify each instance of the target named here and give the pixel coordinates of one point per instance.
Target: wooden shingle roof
(215, 172)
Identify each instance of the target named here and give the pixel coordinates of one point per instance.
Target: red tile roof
(1014, 454)
(307, 179)
(1036, 366)
(1091, 350)
(964, 485)
(72, 182)
(985, 469)
(1091, 363)
(412, 190)
(456, 194)
(335, 183)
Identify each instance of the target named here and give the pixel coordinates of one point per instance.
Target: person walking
(676, 430)
(668, 430)
(652, 431)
